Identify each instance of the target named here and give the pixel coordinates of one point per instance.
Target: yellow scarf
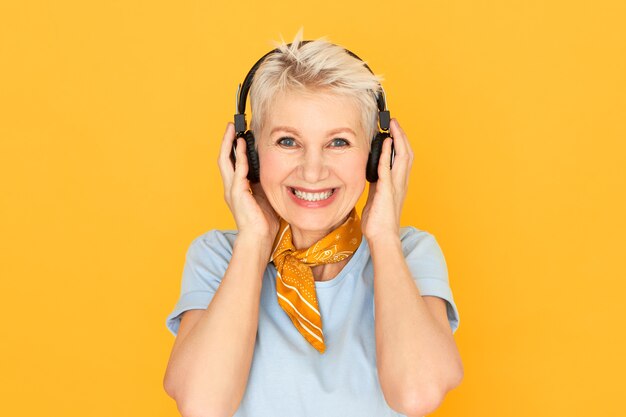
(295, 284)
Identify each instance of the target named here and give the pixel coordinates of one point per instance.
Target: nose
(313, 166)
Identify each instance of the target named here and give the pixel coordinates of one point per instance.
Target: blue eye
(286, 142)
(339, 142)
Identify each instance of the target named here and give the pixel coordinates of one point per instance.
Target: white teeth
(312, 196)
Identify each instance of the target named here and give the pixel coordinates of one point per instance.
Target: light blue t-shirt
(288, 376)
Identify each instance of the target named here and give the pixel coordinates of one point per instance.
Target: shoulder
(414, 239)
(412, 232)
(206, 261)
(416, 242)
(208, 257)
(423, 253)
(214, 242)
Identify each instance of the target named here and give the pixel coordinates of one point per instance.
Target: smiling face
(312, 153)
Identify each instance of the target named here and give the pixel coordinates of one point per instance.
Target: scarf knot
(295, 284)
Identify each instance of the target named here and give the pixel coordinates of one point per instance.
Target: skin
(417, 358)
(299, 146)
(307, 154)
(298, 143)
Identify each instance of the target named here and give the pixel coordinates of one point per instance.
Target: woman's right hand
(253, 214)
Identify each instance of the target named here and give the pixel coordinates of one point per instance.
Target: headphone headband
(243, 89)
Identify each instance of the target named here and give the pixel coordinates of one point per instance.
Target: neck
(304, 239)
(326, 272)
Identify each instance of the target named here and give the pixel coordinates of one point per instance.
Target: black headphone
(253, 157)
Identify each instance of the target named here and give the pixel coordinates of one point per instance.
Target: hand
(381, 214)
(253, 214)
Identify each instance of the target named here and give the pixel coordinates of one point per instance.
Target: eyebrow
(297, 133)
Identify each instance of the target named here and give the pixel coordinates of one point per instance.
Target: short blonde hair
(314, 66)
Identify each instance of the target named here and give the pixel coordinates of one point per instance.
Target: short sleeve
(429, 269)
(206, 261)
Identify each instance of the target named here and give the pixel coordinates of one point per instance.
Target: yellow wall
(111, 115)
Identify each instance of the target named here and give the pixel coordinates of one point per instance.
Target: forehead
(313, 112)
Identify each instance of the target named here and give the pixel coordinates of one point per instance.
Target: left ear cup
(371, 172)
(251, 153)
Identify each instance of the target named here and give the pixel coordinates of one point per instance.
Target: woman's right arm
(210, 361)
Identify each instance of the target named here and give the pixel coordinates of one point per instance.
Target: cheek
(354, 167)
(273, 169)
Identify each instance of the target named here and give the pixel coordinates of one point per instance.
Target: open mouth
(312, 196)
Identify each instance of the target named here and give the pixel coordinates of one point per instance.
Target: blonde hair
(310, 67)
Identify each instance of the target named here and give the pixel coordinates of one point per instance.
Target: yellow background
(111, 117)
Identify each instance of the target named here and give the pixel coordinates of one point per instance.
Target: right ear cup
(251, 153)
(371, 172)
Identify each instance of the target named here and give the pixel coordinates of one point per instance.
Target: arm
(416, 355)
(209, 366)
(417, 358)
(210, 362)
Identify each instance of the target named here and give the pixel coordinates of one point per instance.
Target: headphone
(384, 119)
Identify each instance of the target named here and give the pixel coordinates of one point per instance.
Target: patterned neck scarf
(295, 284)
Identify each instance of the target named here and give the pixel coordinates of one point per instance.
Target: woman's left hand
(381, 214)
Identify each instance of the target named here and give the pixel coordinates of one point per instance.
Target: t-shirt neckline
(358, 253)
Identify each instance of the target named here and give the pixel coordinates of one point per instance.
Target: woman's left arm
(417, 358)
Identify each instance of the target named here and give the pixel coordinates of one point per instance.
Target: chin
(312, 223)
(316, 220)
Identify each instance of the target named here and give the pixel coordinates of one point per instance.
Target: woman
(308, 309)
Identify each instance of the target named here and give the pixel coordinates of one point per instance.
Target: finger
(401, 142)
(409, 149)
(223, 159)
(384, 170)
(401, 169)
(403, 158)
(241, 166)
